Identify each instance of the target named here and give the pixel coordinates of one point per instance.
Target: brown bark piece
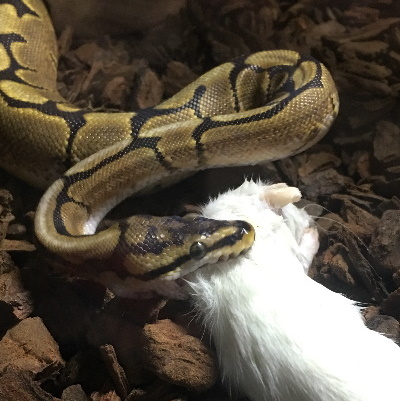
(330, 223)
(385, 242)
(98, 17)
(5, 212)
(360, 164)
(18, 386)
(16, 245)
(109, 395)
(106, 393)
(391, 305)
(360, 222)
(158, 391)
(13, 293)
(136, 311)
(388, 189)
(324, 183)
(365, 269)
(387, 142)
(125, 337)
(115, 370)
(89, 53)
(16, 231)
(6, 263)
(116, 90)
(396, 279)
(138, 395)
(29, 346)
(177, 357)
(149, 90)
(386, 325)
(177, 76)
(67, 304)
(64, 41)
(370, 312)
(86, 368)
(318, 161)
(74, 393)
(359, 16)
(336, 262)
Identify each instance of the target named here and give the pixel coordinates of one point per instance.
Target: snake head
(170, 247)
(155, 251)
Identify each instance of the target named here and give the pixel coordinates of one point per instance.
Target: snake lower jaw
(225, 258)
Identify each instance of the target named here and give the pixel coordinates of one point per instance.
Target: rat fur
(279, 335)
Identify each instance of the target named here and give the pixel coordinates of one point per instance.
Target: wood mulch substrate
(66, 338)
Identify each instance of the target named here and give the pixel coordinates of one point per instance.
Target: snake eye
(198, 250)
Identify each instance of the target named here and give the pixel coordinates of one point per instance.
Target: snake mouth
(231, 256)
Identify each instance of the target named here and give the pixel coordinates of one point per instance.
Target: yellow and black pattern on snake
(257, 108)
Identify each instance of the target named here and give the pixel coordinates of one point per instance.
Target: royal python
(257, 108)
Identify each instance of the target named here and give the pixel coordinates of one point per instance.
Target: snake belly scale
(257, 108)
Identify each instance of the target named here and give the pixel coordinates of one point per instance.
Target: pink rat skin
(279, 335)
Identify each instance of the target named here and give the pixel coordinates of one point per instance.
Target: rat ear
(279, 195)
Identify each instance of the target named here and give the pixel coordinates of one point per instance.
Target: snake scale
(257, 108)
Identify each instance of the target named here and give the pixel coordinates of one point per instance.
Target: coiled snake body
(262, 107)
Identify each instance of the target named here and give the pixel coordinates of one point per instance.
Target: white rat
(279, 335)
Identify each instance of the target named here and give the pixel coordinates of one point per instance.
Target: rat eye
(198, 250)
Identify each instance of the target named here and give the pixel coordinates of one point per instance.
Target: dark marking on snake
(141, 117)
(75, 120)
(239, 65)
(21, 8)
(208, 123)
(7, 39)
(69, 180)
